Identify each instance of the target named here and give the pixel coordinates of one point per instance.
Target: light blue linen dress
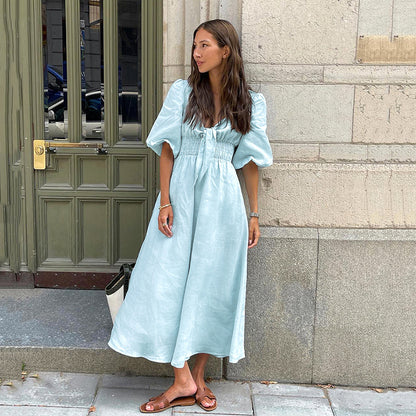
(187, 292)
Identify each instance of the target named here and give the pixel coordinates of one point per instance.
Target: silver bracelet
(254, 214)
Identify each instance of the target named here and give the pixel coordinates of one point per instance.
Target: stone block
(380, 152)
(173, 72)
(404, 17)
(231, 11)
(194, 14)
(51, 389)
(41, 411)
(342, 152)
(287, 390)
(173, 33)
(281, 74)
(404, 153)
(290, 406)
(392, 153)
(295, 152)
(385, 114)
(139, 382)
(52, 318)
(338, 195)
(309, 113)
(308, 32)
(280, 308)
(348, 402)
(370, 74)
(365, 326)
(375, 17)
(165, 88)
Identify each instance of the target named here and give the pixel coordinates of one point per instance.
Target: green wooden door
(95, 72)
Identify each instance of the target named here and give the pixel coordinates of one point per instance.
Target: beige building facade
(331, 285)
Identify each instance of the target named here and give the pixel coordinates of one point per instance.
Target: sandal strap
(207, 393)
(161, 398)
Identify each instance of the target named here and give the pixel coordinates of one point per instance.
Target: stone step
(68, 331)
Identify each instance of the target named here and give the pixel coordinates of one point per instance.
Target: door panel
(130, 173)
(58, 176)
(57, 239)
(92, 208)
(127, 232)
(94, 231)
(93, 172)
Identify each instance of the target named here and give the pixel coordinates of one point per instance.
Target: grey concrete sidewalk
(72, 394)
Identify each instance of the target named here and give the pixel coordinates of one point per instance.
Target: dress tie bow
(206, 152)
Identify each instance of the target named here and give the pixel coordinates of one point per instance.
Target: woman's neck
(215, 82)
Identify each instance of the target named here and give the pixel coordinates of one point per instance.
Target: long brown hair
(235, 97)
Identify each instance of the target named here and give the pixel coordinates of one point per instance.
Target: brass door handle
(40, 147)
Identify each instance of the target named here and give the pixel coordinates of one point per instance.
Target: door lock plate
(39, 154)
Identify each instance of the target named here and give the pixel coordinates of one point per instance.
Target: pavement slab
(41, 411)
(272, 405)
(180, 412)
(51, 389)
(123, 402)
(287, 390)
(233, 398)
(353, 402)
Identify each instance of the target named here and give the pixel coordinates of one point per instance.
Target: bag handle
(126, 269)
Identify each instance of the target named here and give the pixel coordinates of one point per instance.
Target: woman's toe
(208, 402)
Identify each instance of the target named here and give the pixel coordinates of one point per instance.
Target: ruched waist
(223, 150)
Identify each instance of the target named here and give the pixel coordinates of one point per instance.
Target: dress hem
(167, 361)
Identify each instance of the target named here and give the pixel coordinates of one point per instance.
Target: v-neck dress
(187, 292)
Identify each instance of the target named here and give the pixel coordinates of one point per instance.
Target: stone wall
(331, 284)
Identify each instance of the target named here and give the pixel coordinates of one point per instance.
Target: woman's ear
(226, 53)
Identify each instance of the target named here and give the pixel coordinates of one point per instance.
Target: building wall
(331, 284)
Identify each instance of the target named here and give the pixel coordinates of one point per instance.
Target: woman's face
(207, 54)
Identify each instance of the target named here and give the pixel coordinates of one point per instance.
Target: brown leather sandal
(179, 401)
(207, 393)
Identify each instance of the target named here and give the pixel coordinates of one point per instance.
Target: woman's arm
(165, 214)
(251, 179)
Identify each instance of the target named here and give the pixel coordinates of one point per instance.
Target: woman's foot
(177, 389)
(204, 396)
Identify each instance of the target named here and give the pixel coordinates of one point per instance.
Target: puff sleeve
(255, 145)
(168, 124)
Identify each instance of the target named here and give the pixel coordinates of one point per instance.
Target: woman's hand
(253, 232)
(251, 178)
(165, 221)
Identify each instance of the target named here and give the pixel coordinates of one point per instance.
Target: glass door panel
(129, 70)
(92, 69)
(54, 69)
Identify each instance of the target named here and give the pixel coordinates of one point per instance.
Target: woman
(187, 292)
